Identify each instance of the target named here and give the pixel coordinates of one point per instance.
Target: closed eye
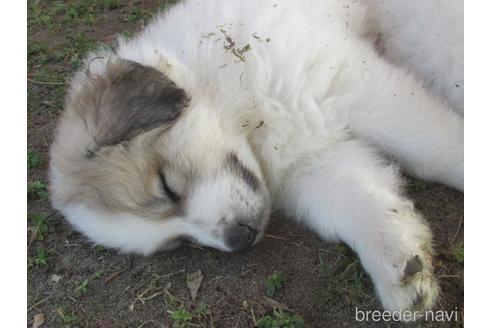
(173, 196)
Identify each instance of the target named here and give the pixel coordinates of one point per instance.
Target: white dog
(425, 36)
(223, 109)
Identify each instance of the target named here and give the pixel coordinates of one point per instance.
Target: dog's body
(220, 109)
(425, 37)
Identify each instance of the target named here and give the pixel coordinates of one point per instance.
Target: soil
(324, 282)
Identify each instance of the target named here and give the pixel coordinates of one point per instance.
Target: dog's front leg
(349, 193)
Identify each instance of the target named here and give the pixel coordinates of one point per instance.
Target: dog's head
(139, 164)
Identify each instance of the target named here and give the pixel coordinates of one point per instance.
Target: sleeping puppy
(222, 110)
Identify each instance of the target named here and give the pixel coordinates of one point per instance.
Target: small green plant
(98, 274)
(35, 49)
(42, 256)
(181, 317)
(77, 47)
(82, 288)
(37, 189)
(202, 311)
(162, 7)
(419, 185)
(33, 159)
(274, 282)
(41, 225)
(58, 9)
(358, 283)
(127, 34)
(173, 301)
(99, 248)
(67, 319)
(281, 319)
(75, 12)
(344, 249)
(459, 253)
(37, 15)
(110, 4)
(138, 15)
(344, 280)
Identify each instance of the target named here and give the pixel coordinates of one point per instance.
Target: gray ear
(137, 99)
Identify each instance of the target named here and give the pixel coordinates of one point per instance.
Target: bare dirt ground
(73, 284)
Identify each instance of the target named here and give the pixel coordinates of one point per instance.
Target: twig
(253, 315)
(169, 274)
(113, 275)
(50, 104)
(180, 258)
(33, 237)
(275, 304)
(72, 245)
(450, 276)
(309, 308)
(46, 83)
(39, 302)
(143, 298)
(457, 230)
(196, 246)
(275, 237)
(146, 322)
(153, 321)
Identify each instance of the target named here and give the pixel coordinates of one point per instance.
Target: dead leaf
(55, 278)
(38, 320)
(193, 281)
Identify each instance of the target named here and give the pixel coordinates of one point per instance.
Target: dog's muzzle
(240, 237)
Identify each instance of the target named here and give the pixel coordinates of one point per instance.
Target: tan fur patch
(105, 145)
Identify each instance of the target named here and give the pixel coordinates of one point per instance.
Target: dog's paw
(415, 291)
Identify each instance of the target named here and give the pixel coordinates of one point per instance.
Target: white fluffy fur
(316, 105)
(425, 36)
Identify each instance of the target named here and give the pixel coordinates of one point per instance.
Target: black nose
(240, 237)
